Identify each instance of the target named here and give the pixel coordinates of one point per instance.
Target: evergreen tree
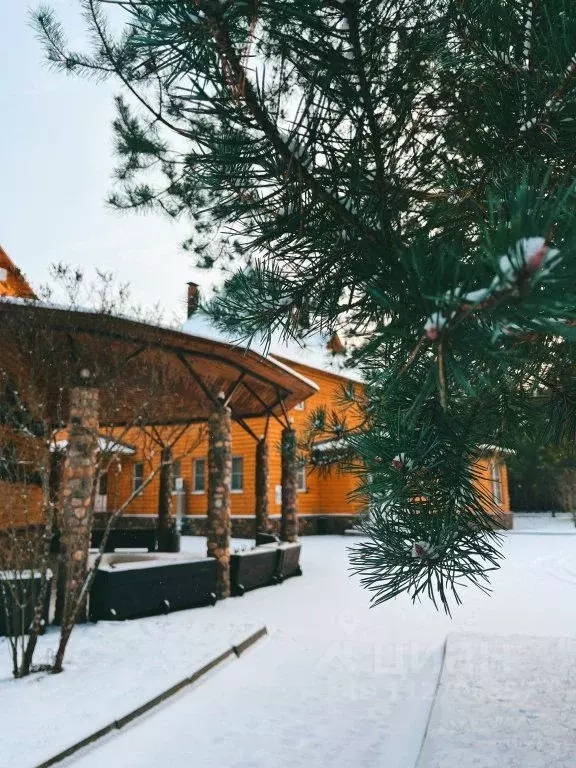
(400, 172)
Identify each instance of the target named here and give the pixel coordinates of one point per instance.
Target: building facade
(326, 499)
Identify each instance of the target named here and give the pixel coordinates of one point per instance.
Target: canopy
(173, 377)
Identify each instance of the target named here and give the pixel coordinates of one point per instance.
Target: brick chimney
(193, 298)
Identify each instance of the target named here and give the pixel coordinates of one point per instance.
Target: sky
(56, 166)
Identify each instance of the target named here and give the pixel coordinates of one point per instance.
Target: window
(301, 478)
(496, 482)
(300, 406)
(138, 476)
(199, 476)
(237, 474)
(101, 497)
(103, 484)
(176, 474)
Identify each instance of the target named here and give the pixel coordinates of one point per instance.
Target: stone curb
(235, 650)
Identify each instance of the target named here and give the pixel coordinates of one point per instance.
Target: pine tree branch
(243, 91)
(118, 70)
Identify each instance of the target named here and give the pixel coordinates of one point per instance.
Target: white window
(301, 478)
(199, 476)
(300, 406)
(496, 482)
(101, 497)
(237, 474)
(138, 476)
(176, 474)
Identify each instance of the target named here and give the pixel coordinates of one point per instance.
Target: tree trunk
(165, 522)
(262, 483)
(78, 478)
(289, 523)
(219, 481)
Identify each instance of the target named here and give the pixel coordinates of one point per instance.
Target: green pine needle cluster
(399, 172)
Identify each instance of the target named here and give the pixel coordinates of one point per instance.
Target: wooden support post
(165, 531)
(262, 483)
(78, 479)
(219, 482)
(289, 522)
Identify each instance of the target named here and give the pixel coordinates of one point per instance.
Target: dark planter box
(289, 560)
(266, 538)
(22, 590)
(253, 568)
(265, 565)
(126, 538)
(131, 586)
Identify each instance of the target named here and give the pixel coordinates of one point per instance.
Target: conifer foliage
(401, 172)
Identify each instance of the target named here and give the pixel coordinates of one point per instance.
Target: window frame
(496, 479)
(195, 490)
(137, 477)
(176, 464)
(241, 489)
(301, 474)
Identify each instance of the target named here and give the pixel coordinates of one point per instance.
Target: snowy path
(507, 702)
(334, 684)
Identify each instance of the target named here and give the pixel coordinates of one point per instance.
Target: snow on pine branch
(528, 257)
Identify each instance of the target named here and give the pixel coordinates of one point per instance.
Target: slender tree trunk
(289, 523)
(219, 481)
(262, 483)
(165, 502)
(78, 477)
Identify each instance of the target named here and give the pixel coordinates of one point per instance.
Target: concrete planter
(19, 593)
(128, 586)
(253, 568)
(289, 560)
(265, 565)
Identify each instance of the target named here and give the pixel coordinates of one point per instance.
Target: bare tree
(46, 448)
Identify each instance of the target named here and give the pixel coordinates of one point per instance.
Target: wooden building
(326, 500)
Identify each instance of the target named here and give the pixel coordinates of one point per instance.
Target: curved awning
(179, 376)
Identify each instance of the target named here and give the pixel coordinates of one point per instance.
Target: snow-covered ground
(504, 702)
(539, 522)
(335, 683)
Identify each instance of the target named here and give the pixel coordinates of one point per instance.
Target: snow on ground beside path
(111, 668)
(543, 522)
(507, 702)
(336, 684)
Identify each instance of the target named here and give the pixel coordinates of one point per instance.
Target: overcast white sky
(56, 167)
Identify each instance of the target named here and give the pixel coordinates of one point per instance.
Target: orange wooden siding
(483, 471)
(15, 283)
(20, 505)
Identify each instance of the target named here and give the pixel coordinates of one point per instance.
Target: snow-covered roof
(496, 449)
(311, 351)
